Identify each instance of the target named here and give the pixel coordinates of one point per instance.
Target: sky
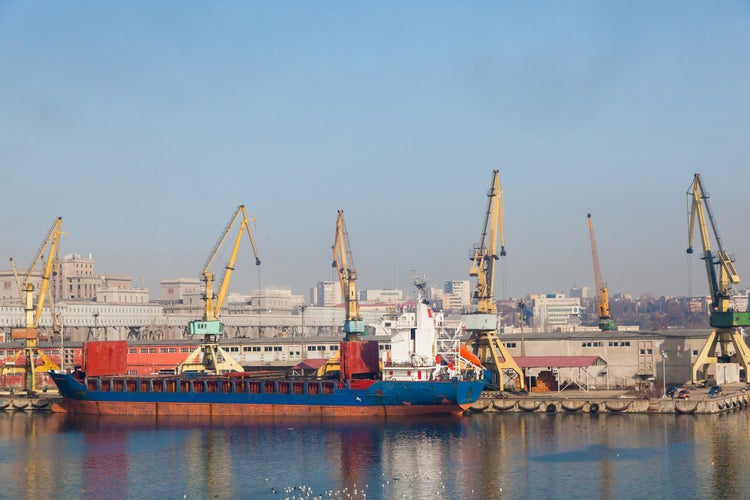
(145, 124)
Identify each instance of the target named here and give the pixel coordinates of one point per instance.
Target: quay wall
(604, 403)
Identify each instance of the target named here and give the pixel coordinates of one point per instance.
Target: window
(144, 350)
(267, 348)
(132, 351)
(613, 344)
(184, 349)
(510, 345)
(625, 344)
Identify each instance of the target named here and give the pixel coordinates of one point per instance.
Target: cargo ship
(425, 370)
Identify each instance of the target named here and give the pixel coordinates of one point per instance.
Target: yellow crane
(354, 327)
(482, 323)
(32, 313)
(726, 323)
(209, 356)
(602, 294)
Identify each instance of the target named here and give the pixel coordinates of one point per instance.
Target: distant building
(120, 295)
(584, 293)
(75, 278)
(555, 310)
(271, 300)
(457, 295)
(326, 294)
(384, 295)
(175, 290)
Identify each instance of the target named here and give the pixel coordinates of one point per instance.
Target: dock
(41, 402)
(594, 402)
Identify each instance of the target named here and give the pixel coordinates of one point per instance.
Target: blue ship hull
(243, 395)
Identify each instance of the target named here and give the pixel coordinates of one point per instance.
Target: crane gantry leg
(496, 359)
(716, 350)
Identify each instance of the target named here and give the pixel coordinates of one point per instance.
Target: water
(481, 456)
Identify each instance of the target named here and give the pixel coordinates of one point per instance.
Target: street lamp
(302, 328)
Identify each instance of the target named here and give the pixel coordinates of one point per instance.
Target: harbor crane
(482, 323)
(602, 294)
(209, 356)
(32, 313)
(354, 326)
(726, 323)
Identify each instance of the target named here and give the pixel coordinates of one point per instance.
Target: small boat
(617, 408)
(534, 406)
(40, 404)
(678, 408)
(481, 405)
(504, 404)
(572, 406)
(19, 404)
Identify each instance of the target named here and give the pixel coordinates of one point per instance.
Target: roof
(558, 361)
(309, 364)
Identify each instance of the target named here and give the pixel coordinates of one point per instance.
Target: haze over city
(144, 125)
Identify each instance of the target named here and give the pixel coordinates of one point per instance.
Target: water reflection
(482, 456)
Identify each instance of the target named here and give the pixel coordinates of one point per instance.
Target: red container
(105, 358)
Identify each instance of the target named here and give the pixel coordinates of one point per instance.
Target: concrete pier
(699, 402)
(40, 402)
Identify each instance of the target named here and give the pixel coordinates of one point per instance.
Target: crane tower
(482, 323)
(602, 294)
(725, 343)
(35, 361)
(209, 356)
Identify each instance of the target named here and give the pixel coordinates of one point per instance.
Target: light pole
(302, 329)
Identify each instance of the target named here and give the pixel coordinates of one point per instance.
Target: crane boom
(485, 253)
(482, 324)
(726, 323)
(719, 285)
(344, 265)
(602, 294)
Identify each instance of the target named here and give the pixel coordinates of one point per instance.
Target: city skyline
(145, 126)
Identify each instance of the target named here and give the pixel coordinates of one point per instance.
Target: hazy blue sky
(145, 124)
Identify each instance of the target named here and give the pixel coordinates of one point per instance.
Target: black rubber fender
(551, 408)
(593, 407)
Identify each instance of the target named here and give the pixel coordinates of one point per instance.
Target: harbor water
(480, 456)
